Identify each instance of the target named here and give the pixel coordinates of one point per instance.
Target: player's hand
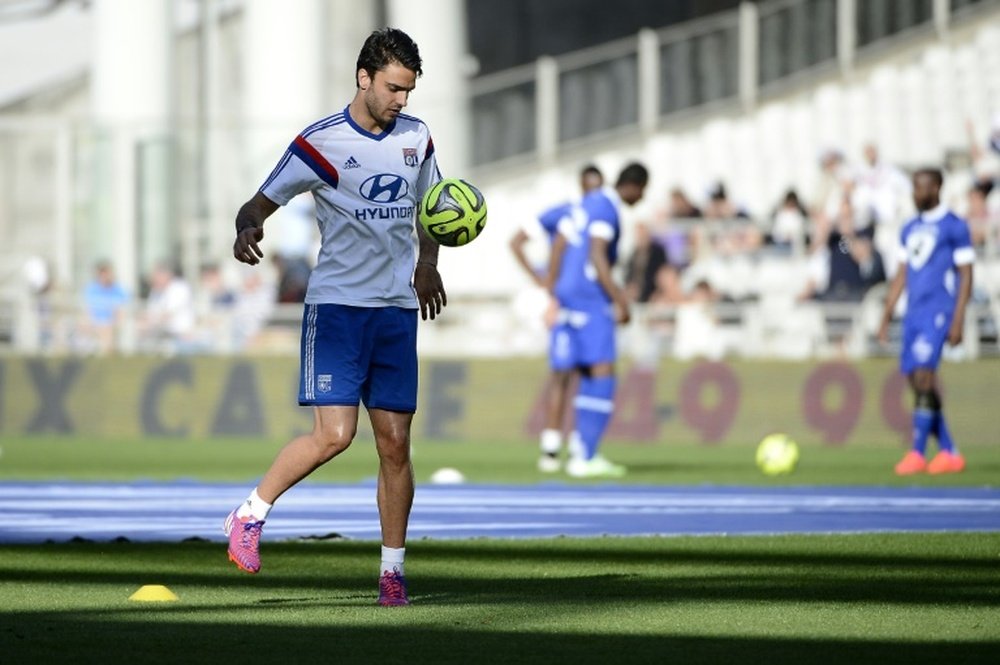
(883, 333)
(955, 333)
(551, 314)
(622, 311)
(246, 248)
(430, 290)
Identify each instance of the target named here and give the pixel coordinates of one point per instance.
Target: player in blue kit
(550, 441)
(590, 305)
(367, 167)
(935, 268)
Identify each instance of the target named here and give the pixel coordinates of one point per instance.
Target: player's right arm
(895, 290)
(555, 262)
(517, 243)
(302, 168)
(250, 228)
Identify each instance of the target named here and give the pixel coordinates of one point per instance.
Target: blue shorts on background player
(590, 304)
(935, 268)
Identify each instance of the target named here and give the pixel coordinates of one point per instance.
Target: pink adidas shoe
(244, 541)
(392, 589)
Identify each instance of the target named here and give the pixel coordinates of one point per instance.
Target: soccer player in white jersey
(367, 168)
(550, 439)
(935, 268)
(591, 303)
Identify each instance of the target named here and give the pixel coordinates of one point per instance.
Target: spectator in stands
(728, 229)
(168, 323)
(985, 158)
(255, 303)
(983, 216)
(849, 264)
(215, 302)
(881, 196)
(788, 228)
(698, 333)
(647, 258)
(681, 207)
(669, 291)
(104, 302)
(41, 288)
(679, 217)
(882, 191)
(836, 181)
(293, 277)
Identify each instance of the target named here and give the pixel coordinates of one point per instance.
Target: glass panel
(796, 37)
(699, 69)
(503, 123)
(881, 18)
(598, 98)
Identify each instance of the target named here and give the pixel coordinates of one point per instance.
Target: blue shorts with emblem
(351, 354)
(582, 339)
(924, 335)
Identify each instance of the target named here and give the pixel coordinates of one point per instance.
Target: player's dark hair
(384, 47)
(591, 169)
(633, 174)
(934, 174)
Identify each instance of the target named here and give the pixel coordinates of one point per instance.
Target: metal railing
(537, 111)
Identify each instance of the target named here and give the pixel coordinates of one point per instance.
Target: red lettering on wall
(709, 400)
(835, 424)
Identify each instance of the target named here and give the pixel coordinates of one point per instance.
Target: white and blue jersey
(933, 245)
(367, 187)
(597, 215)
(549, 219)
(584, 334)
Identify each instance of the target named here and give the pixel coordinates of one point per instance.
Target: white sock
(254, 507)
(550, 441)
(392, 559)
(575, 446)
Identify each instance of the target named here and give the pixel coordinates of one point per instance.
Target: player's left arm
(427, 280)
(599, 259)
(555, 262)
(955, 333)
(964, 256)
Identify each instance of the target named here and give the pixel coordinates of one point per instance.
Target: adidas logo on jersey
(352, 163)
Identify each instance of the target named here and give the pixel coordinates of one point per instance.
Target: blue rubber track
(172, 512)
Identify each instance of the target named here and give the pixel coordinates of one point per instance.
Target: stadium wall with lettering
(731, 403)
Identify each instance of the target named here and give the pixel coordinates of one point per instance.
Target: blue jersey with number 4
(597, 215)
(549, 219)
(933, 245)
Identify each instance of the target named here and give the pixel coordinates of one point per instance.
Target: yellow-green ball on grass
(777, 454)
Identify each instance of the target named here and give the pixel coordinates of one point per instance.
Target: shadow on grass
(77, 638)
(603, 572)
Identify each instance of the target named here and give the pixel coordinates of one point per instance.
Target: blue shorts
(351, 354)
(923, 340)
(582, 339)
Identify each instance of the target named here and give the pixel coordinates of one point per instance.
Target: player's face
(925, 192)
(386, 94)
(590, 181)
(632, 193)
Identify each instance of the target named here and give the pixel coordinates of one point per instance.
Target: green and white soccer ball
(453, 212)
(777, 454)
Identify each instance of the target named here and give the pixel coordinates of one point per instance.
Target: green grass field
(860, 599)
(684, 463)
(882, 598)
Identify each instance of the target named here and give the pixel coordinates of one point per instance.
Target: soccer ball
(452, 212)
(777, 454)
